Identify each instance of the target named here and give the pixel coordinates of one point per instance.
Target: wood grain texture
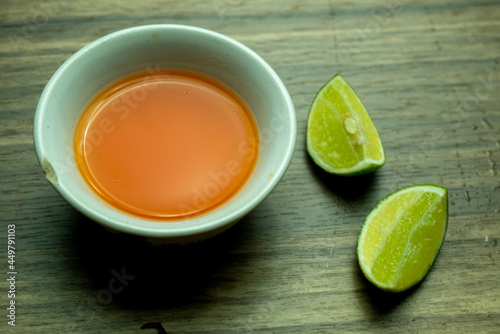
(428, 73)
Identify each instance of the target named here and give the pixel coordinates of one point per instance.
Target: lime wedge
(341, 137)
(402, 236)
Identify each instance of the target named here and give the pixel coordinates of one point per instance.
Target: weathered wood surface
(427, 71)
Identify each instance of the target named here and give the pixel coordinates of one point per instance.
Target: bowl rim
(165, 229)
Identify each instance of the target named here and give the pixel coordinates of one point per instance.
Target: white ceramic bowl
(146, 48)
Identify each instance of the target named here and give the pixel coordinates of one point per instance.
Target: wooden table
(428, 73)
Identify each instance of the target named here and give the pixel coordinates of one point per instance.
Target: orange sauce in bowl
(166, 145)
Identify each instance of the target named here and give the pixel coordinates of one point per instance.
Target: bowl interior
(150, 48)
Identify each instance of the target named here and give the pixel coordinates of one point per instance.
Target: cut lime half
(341, 137)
